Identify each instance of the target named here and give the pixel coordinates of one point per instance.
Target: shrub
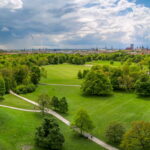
(48, 135)
(23, 89)
(114, 132)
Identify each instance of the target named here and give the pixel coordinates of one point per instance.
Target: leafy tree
(142, 86)
(44, 102)
(55, 103)
(114, 133)
(79, 74)
(138, 137)
(83, 121)
(48, 135)
(20, 73)
(8, 84)
(35, 75)
(84, 73)
(126, 82)
(115, 74)
(63, 105)
(2, 86)
(96, 83)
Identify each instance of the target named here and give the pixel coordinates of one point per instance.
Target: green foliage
(63, 105)
(55, 103)
(142, 86)
(114, 132)
(35, 75)
(96, 83)
(83, 121)
(59, 105)
(44, 102)
(85, 72)
(115, 74)
(2, 86)
(23, 89)
(1, 98)
(20, 73)
(48, 135)
(80, 75)
(138, 137)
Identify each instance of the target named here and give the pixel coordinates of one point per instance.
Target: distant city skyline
(74, 24)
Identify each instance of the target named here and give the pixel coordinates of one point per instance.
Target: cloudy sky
(74, 23)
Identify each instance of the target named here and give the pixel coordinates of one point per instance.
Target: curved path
(15, 108)
(49, 111)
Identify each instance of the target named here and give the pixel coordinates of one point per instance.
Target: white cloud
(11, 4)
(4, 29)
(74, 21)
(117, 19)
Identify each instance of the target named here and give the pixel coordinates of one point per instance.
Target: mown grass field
(14, 101)
(17, 130)
(122, 107)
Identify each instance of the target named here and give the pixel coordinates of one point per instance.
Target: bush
(1, 98)
(23, 89)
(48, 135)
(96, 83)
(142, 86)
(138, 137)
(114, 132)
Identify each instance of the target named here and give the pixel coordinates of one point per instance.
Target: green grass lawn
(17, 130)
(63, 74)
(14, 101)
(67, 74)
(122, 107)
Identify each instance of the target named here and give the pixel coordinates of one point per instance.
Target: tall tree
(55, 103)
(63, 105)
(114, 133)
(48, 135)
(83, 121)
(79, 74)
(142, 86)
(2, 86)
(96, 83)
(35, 74)
(44, 102)
(138, 137)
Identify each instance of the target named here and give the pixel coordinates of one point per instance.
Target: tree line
(102, 80)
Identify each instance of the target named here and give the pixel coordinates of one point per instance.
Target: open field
(19, 127)
(67, 74)
(63, 74)
(17, 131)
(11, 100)
(123, 107)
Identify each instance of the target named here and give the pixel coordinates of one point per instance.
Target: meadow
(17, 128)
(123, 107)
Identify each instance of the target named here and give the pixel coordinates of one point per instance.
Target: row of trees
(59, 105)
(102, 80)
(45, 59)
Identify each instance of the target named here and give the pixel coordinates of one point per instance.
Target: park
(18, 127)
